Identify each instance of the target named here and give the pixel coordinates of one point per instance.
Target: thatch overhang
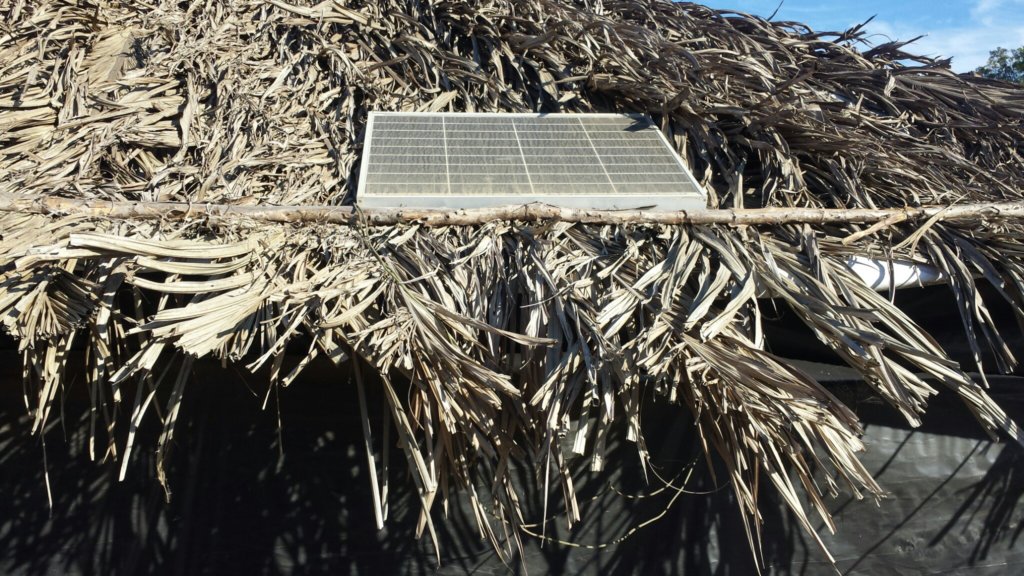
(515, 334)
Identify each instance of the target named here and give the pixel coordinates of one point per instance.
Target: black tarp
(252, 499)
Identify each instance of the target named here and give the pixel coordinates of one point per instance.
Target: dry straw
(512, 334)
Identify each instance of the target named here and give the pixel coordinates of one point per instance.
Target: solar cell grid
(604, 161)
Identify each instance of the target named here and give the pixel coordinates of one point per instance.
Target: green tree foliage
(1004, 64)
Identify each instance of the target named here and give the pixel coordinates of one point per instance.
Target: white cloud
(992, 23)
(965, 30)
(988, 11)
(968, 46)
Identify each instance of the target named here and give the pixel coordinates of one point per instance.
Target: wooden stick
(536, 212)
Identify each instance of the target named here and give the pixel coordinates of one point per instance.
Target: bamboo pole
(536, 212)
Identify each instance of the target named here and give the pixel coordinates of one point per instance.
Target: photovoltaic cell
(469, 160)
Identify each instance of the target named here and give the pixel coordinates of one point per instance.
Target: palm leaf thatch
(512, 334)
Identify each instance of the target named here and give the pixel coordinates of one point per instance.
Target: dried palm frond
(511, 335)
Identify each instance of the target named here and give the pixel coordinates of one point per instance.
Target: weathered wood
(347, 215)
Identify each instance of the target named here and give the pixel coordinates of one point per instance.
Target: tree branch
(347, 215)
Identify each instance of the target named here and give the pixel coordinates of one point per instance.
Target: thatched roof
(513, 334)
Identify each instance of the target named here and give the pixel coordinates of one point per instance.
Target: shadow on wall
(242, 505)
(993, 500)
(250, 500)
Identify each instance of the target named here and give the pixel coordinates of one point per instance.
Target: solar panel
(471, 160)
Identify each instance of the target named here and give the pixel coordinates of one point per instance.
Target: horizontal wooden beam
(536, 212)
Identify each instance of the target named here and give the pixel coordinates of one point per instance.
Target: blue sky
(962, 29)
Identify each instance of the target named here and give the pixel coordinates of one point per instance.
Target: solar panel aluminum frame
(661, 201)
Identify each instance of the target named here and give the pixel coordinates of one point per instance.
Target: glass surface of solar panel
(468, 160)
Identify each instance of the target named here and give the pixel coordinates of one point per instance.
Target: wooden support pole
(347, 215)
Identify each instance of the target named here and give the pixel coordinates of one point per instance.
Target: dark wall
(251, 499)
